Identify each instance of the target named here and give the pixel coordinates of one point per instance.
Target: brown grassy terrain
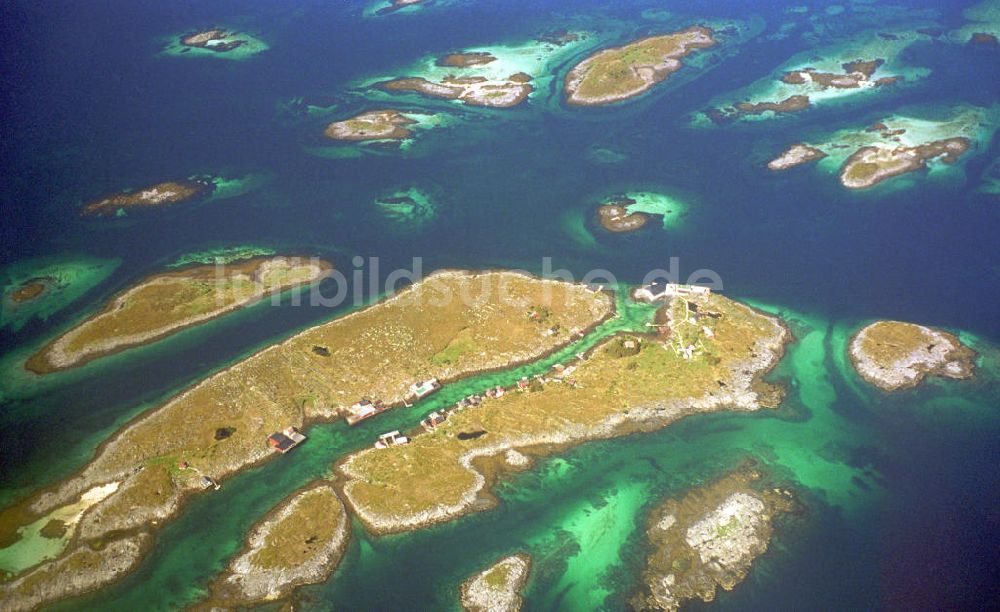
(622, 72)
(371, 125)
(377, 352)
(498, 587)
(160, 194)
(299, 542)
(871, 165)
(439, 475)
(166, 303)
(894, 355)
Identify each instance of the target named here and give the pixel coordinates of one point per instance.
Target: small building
(433, 420)
(523, 383)
(207, 482)
(284, 441)
(420, 390)
(362, 410)
(393, 438)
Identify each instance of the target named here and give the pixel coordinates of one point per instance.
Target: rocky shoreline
(248, 582)
(871, 165)
(893, 355)
(160, 194)
(498, 587)
(709, 538)
(81, 571)
(795, 155)
(384, 124)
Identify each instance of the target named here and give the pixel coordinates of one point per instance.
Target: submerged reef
(38, 288)
(410, 208)
(497, 76)
(223, 255)
(893, 355)
(867, 62)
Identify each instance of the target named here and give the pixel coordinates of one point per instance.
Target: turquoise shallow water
(898, 488)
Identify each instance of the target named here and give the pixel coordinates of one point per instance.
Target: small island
(709, 354)
(471, 90)
(30, 290)
(38, 288)
(160, 194)
(893, 355)
(164, 304)
(708, 538)
(796, 155)
(631, 211)
(615, 217)
(215, 39)
(372, 125)
(498, 587)
(871, 165)
(791, 104)
(465, 60)
(620, 73)
(448, 326)
(300, 542)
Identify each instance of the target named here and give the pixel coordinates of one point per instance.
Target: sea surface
(899, 490)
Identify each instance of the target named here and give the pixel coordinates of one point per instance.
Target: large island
(450, 325)
(620, 73)
(164, 304)
(709, 354)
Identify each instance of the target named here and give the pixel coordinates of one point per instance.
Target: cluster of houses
(655, 292)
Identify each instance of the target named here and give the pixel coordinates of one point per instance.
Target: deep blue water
(88, 109)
